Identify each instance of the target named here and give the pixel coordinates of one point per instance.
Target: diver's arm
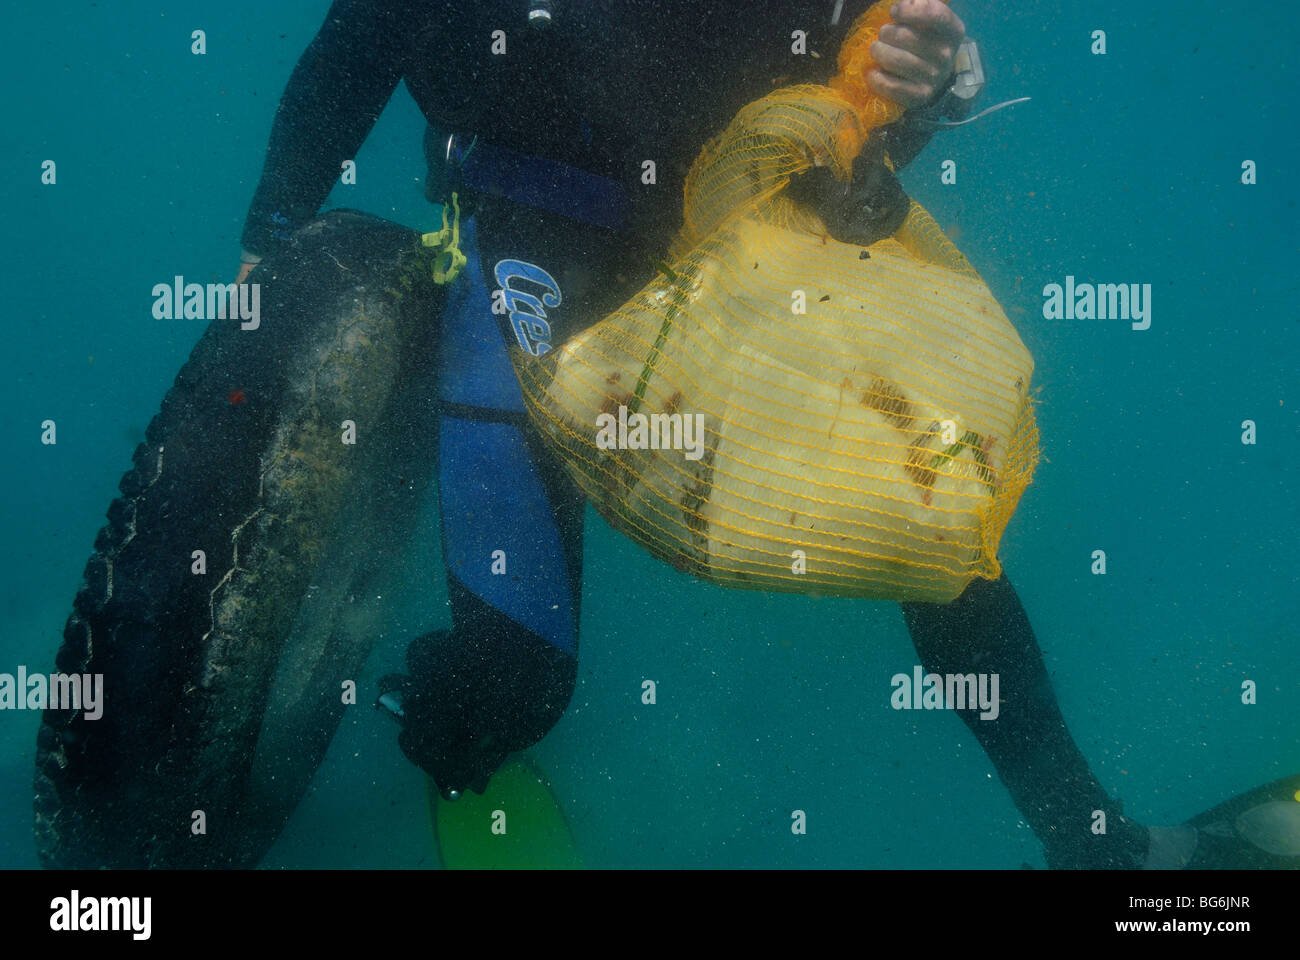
(915, 57)
(338, 89)
(906, 138)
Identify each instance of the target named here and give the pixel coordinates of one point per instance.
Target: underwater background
(1122, 168)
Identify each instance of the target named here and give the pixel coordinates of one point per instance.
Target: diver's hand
(915, 52)
(247, 261)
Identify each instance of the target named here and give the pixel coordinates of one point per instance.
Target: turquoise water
(1123, 168)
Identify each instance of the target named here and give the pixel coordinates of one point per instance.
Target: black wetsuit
(604, 88)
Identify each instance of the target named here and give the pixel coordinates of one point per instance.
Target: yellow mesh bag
(873, 445)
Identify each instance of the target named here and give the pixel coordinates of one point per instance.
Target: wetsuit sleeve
(334, 96)
(907, 138)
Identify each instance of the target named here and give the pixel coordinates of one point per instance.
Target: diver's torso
(611, 84)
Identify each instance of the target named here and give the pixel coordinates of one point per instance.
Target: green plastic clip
(448, 259)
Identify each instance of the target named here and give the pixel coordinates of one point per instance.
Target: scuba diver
(542, 119)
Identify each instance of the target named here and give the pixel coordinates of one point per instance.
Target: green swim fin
(1258, 830)
(517, 824)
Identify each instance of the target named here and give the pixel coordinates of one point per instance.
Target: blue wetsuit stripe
(474, 368)
(501, 540)
(499, 536)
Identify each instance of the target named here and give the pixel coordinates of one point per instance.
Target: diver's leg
(502, 676)
(512, 520)
(512, 543)
(986, 630)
